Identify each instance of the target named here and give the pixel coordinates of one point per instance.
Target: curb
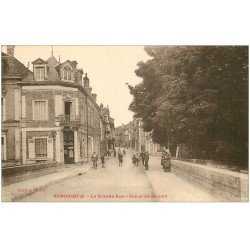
(17, 197)
(20, 196)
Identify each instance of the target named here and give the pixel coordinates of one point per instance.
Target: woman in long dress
(166, 160)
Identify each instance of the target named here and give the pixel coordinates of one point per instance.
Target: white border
(125, 225)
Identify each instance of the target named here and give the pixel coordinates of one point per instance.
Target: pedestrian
(119, 151)
(142, 155)
(134, 160)
(115, 153)
(103, 161)
(94, 159)
(166, 160)
(137, 159)
(120, 157)
(124, 151)
(146, 160)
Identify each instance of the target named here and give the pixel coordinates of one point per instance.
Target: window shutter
(50, 148)
(31, 147)
(46, 111)
(58, 105)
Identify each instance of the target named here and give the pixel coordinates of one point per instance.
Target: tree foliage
(198, 96)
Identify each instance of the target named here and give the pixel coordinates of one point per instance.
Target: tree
(199, 95)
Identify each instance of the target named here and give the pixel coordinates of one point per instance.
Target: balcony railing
(70, 119)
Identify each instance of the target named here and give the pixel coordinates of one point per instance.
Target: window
(41, 148)
(40, 110)
(3, 109)
(90, 117)
(67, 74)
(40, 73)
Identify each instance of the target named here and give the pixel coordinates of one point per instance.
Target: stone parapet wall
(228, 185)
(16, 174)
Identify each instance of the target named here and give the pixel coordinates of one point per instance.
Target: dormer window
(40, 69)
(67, 74)
(40, 73)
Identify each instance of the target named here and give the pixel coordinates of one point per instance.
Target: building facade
(133, 136)
(13, 72)
(54, 116)
(107, 131)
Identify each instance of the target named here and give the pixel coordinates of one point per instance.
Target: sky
(109, 68)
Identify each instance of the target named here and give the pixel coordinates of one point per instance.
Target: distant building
(107, 131)
(132, 135)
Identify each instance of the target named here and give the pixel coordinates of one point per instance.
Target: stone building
(122, 136)
(132, 135)
(13, 72)
(107, 131)
(58, 117)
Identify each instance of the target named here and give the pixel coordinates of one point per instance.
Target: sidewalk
(21, 189)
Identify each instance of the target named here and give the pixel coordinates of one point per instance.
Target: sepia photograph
(124, 123)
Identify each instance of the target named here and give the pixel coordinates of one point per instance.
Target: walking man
(94, 159)
(142, 155)
(120, 157)
(137, 159)
(103, 161)
(134, 160)
(146, 160)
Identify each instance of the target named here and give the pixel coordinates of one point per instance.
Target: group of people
(136, 159)
(144, 158)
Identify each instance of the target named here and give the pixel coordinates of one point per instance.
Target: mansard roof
(53, 74)
(11, 67)
(73, 64)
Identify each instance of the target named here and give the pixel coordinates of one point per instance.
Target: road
(126, 183)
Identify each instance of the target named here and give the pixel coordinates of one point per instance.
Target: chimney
(86, 81)
(74, 63)
(86, 84)
(10, 50)
(94, 96)
(28, 66)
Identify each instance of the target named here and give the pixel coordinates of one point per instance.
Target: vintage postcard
(124, 123)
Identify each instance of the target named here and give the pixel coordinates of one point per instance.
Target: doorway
(69, 147)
